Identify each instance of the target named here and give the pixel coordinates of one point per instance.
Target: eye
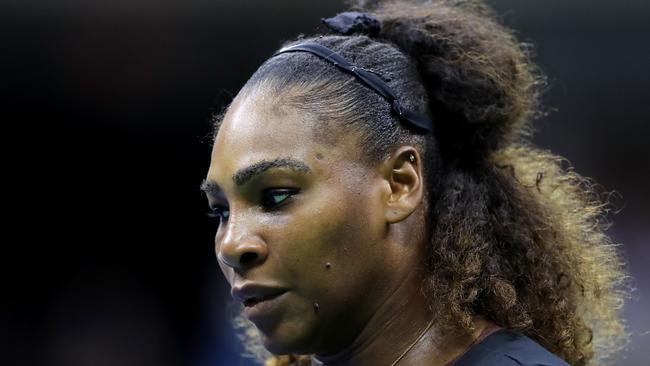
(219, 213)
(273, 197)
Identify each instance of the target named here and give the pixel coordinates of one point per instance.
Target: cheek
(327, 250)
(330, 246)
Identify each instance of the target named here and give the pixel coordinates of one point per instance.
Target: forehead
(255, 125)
(257, 128)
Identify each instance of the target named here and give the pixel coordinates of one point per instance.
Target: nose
(239, 249)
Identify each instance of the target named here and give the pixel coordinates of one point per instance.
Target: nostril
(248, 257)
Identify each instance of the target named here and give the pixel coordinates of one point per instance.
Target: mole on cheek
(328, 265)
(319, 156)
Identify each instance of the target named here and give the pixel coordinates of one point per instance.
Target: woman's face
(302, 236)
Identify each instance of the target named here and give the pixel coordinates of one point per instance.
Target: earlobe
(403, 172)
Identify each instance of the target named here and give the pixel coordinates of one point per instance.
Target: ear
(404, 184)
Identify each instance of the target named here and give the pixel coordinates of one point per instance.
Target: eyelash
(217, 213)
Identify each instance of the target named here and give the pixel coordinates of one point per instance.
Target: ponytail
(481, 85)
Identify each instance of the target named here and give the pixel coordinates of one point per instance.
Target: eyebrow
(244, 175)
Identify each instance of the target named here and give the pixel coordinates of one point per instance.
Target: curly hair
(516, 236)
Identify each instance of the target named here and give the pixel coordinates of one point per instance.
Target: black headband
(367, 77)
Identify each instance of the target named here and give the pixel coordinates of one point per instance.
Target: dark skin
(342, 239)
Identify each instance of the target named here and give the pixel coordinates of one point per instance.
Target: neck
(399, 326)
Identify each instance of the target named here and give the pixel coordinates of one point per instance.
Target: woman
(379, 203)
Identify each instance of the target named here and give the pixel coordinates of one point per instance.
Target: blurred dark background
(108, 257)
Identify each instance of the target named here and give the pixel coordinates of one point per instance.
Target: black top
(508, 348)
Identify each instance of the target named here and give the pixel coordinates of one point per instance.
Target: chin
(277, 348)
(288, 338)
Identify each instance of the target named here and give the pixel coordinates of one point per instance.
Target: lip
(258, 300)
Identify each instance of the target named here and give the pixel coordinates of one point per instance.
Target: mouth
(261, 302)
(252, 301)
(251, 294)
(261, 310)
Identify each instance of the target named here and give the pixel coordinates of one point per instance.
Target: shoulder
(509, 348)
